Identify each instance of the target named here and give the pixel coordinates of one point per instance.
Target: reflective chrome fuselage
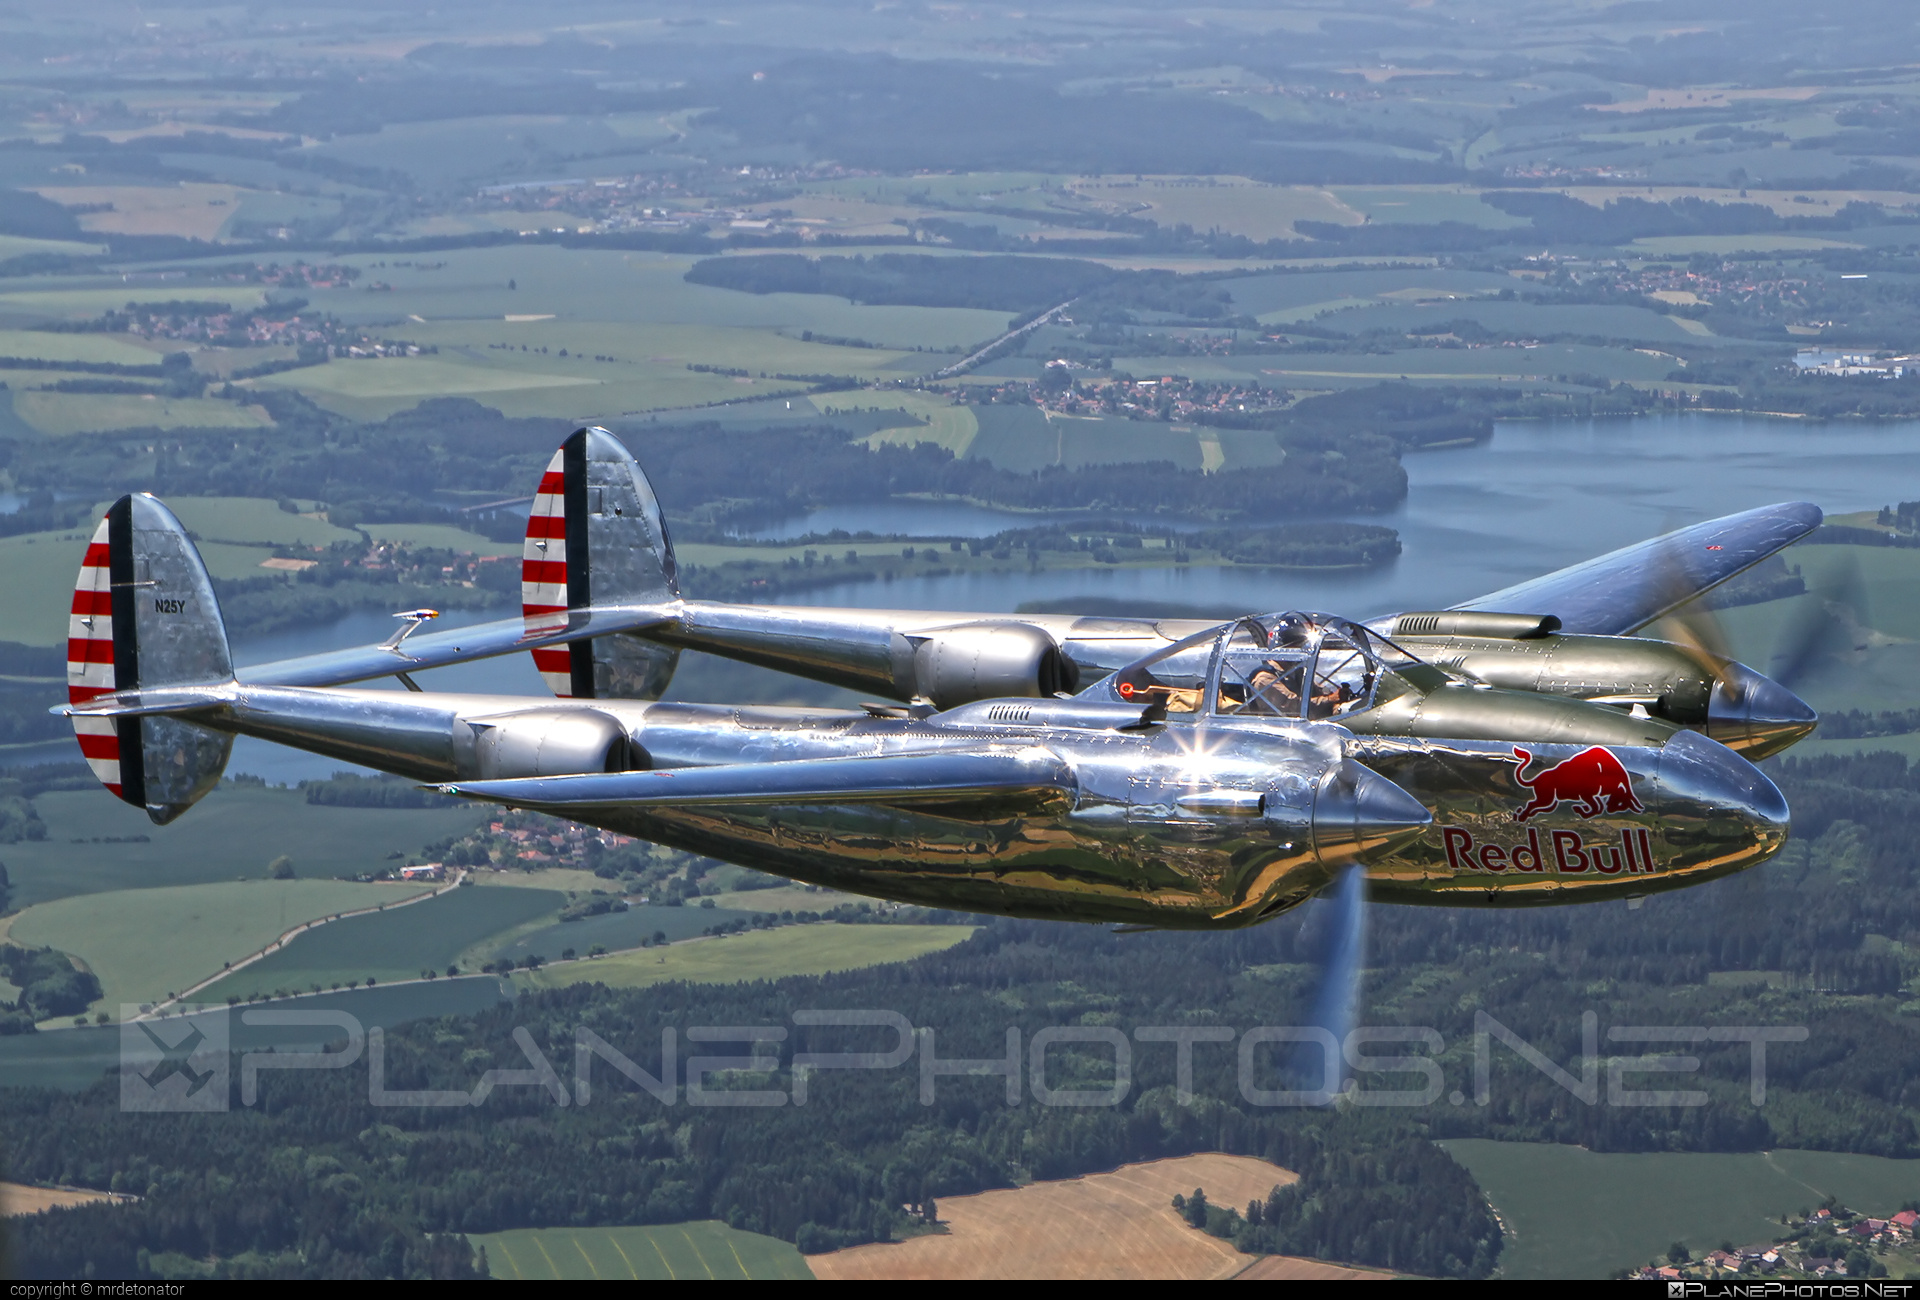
(896, 654)
(1210, 822)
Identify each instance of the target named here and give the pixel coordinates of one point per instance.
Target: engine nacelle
(554, 741)
(985, 661)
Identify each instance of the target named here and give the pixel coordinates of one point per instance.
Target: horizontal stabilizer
(456, 646)
(156, 702)
(1624, 590)
(1030, 777)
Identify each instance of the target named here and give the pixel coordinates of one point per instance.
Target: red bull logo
(1594, 779)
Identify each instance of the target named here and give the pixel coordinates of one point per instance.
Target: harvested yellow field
(17, 1199)
(191, 209)
(1119, 1226)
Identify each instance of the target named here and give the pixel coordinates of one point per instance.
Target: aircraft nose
(1359, 814)
(1736, 817)
(1755, 715)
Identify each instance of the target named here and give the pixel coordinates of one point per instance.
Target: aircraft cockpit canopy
(1291, 665)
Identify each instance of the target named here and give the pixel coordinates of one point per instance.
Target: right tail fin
(144, 614)
(596, 537)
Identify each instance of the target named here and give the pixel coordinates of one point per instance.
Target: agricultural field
(1118, 1226)
(18, 1199)
(96, 844)
(37, 573)
(254, 521)
(22, 246)
(1535, 364)
(190, 209)
(1231, 203)
(1424, 205)
(598, 287)
(86, 303)
(673, 1252)
(1301, 295)
(614, 931)
(144, 944)
(440, 536)
(1570, 1212)
(1027, 438)
(392, 946)
(57, 414)
(755, 955)
(43, 345)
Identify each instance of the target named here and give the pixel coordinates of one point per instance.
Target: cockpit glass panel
(1262, 674)
(1174, 678)
(1298, 665)
(1291, 665)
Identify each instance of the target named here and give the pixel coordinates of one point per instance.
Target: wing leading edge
(1624, 590)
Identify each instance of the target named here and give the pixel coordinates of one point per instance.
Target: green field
(1024, 438)
(614, 931)
(762, 955)
(1571, 1212)
(1670, 245)
(391, 946)
(1425, 204)
(440, 535)
(63, 413)
(42, 346)
(37, 573)
(145, 943)
(21, 246)
(254, 521)
(233, 834)
(1443, 365)
(601, 286)
(675, 1252)
(1514, 319)
(82, 304)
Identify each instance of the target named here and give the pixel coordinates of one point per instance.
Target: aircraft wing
(457, 645)
(1004, 779)
(1624, 590)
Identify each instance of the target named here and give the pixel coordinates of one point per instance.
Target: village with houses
(1830, 1242)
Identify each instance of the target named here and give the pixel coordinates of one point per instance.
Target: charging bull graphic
(1593, 778)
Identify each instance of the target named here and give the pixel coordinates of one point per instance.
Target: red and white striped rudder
(90, 659)
(596, 540)
(144, 617)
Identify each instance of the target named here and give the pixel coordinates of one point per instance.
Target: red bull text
(1567, 853)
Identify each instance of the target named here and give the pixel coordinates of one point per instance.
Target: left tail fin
(596, 538)
(144, 614)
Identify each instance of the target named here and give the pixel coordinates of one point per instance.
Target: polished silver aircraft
(1204, 776)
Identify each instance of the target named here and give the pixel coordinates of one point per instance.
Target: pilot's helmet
(1289, 630)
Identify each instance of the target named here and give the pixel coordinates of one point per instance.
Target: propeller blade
(1821, 626)
(1691, 626)
(1336, 1006)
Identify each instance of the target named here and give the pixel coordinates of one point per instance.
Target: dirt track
(1119, 1225)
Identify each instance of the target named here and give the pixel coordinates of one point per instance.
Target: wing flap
(1002, 780)
(1624, 590)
